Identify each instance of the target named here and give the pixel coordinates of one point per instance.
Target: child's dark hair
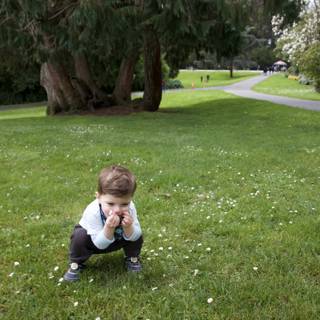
(116, 181)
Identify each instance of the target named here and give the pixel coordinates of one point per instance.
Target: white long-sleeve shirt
(92, 222)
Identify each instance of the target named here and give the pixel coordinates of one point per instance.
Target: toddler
(108, 223)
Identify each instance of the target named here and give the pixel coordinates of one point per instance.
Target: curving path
(243, 89)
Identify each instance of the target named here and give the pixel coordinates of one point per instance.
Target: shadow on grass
(214, 110)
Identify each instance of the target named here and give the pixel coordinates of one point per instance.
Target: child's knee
(139, 241)
(79, 237)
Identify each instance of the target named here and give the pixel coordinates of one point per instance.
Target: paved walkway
(243, 89)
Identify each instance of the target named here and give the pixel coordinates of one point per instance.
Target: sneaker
(133, 264)
(73, 273)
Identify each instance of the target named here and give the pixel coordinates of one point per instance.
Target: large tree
(79, 42)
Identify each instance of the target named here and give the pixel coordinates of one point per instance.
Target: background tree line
(88, 54)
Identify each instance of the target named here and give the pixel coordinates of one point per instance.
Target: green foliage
(19, 79)
(304, 80)
(107, 31)
(138, 81)
(309, 64)
(173, 84)
(294, 70)
(264, 56)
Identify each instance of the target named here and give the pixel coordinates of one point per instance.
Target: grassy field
(217, 78)
(228, 199)
(281, 86)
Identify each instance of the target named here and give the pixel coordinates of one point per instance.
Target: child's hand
(113, 220)
(127, 220)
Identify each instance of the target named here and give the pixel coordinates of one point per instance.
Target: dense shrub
(310, 64)
(293, 70)
(173, 84)
(304, 80)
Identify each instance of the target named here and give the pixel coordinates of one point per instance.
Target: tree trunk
(122, 91)
(84, 74)
(231, 68)
(54, 94)
(152, 70)
(62, 96)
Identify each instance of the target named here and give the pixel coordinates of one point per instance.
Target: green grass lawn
(282, 86)
(228, 199)
(217, 78)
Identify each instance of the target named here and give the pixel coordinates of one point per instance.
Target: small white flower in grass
(91, 280)
(210, 300)
(27, 245)
(60, 280)
(196, 271)
(199, 244)
(169, 248)
(161, 248)
(154, 289)
(186, 257)
(16, 263)
(76, 303)
(255, 268)
(56, 268)
(11, 274)
(208, 249)
(170, 285)
(290, 222)
(98, 318)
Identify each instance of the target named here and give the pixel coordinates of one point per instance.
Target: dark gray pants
(82, 247)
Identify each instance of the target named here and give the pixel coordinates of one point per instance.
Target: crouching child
(109, 223)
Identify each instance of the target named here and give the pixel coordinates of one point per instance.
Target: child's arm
(131, 227)
(112, 222)
(127, 225)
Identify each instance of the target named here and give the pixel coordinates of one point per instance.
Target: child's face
(112, 204)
